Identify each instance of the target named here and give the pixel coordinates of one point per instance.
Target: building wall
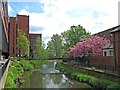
(117, 48)
(0, 36)
(20, 22)
(4, 28)
(32, 38)
(101, 60)
(109, 52)
(23, 24)
(12, 36)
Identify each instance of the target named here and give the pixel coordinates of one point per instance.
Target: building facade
(33, 38)
(116, 47)
(111, 52)
(21, 22)
(4, 29)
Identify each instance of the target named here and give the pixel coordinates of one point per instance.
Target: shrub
(25, 64)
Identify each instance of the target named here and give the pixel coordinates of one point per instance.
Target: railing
(2, 72)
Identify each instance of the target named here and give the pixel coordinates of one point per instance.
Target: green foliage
(74, 35)
(39, 51)
(50, 49)
(15, 70)
(26, 64)
(54, 47)
(92, 80)
(38, 63)
(23, 44)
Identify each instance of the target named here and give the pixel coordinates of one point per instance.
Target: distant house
(108, 50)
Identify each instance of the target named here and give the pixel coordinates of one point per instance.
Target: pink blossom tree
(89, 47)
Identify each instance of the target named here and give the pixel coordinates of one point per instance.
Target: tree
(55, 46)
(50, 49)
(89, 47)
(23, 44)
(74, 35)
(39, 51)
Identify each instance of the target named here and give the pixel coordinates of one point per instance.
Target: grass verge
(91, 80)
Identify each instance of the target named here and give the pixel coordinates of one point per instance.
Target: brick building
(3, 29)
(112, 58)
(116, 46)
(32, 38)
(20, 22)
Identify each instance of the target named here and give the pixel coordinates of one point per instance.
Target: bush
(15, 70)
(12, 75)
(26, 65)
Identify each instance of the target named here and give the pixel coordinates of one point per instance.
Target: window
(34, 37)
(105, 53)
(31, 42)
(111, 52)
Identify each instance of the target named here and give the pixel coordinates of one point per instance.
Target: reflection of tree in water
(36, 82)
(55, 77)
(51, 64)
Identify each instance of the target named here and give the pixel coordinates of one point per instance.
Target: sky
(55, 16)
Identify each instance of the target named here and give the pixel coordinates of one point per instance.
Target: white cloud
(94, 15)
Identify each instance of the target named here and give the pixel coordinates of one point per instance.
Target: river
(49, 77)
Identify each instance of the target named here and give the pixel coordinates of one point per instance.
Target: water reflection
(49, 77)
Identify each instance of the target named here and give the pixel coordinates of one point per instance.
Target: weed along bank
(96, 81)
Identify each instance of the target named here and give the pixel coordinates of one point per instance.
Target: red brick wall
(101, 60)
(117, 47)
(21, 22)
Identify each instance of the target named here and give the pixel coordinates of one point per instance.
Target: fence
(100, 62)
(3, 69)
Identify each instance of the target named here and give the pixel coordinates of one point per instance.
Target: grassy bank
(92, 80)
(16, 69)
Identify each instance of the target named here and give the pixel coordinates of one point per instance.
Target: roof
(108, 46)
(110, 29)
(116, 30)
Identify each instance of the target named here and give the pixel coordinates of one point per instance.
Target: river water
(49, 77)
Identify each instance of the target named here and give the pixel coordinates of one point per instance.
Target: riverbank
(91, 80)
(17, 67)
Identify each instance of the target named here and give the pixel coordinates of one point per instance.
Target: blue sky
(55, 16)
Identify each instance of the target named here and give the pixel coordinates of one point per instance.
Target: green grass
(92, 80)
